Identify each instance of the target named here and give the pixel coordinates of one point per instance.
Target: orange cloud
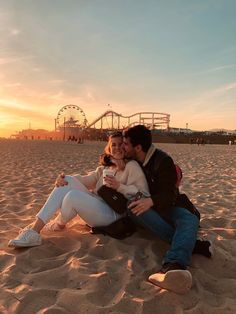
(14, 117)
(24, 113)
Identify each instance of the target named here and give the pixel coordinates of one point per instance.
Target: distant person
(202, 141)
(164, 212)
(77, 195)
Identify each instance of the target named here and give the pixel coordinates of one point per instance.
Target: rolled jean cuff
(42, 217)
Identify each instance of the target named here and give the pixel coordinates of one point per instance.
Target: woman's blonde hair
(105, 158)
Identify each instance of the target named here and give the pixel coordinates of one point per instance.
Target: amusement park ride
(71, 124)
(70, 116)
(72, 119)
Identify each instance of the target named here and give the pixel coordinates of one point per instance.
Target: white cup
(109, 173)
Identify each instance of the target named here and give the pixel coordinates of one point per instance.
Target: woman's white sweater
(132, 179)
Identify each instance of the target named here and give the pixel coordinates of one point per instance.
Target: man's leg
(153, 222)
(173, 275)
(184, 238)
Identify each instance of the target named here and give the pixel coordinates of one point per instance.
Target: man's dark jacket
(160, 172)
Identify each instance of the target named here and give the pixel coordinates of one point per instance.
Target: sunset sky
(173, 56)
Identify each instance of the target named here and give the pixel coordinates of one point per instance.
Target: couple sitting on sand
(160, 211)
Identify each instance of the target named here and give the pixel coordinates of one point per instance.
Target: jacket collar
(150, 152)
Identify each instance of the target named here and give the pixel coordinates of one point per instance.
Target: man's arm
(164, 191)
(162, 185)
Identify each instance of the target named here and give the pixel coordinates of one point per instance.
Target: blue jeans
(182, 238)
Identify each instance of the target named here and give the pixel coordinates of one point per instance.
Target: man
(160, 212)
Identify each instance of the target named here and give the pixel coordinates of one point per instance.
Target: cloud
(15, 32)
(215, 69)
(56, 81)
(221, 90)
(209, 109)
(17, 111)
(89, 93)
(36, 69)
(215, 95)
(223, 67)
(17, 84)
(8, 60)
(5, 61)
(59, 96)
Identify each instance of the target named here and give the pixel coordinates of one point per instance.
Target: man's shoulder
(159, 155)
(160, 159)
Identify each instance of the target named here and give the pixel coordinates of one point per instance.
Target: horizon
(30, 128)
(167, 56)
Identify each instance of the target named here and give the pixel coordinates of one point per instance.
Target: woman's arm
(135, 182)
(90, 180)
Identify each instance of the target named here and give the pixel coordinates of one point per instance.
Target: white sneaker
(26, 238)
(54, 226)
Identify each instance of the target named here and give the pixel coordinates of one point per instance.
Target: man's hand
(140, 206)
(60, 180)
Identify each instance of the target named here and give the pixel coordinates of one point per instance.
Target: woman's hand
(112, 182)
(60, 180)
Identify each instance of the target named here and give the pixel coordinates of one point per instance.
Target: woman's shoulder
(132, 164)
(98, 170)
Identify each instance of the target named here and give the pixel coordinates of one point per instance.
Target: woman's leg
(30, 236)
(94, 211)
(54, 202)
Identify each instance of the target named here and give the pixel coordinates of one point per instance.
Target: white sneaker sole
(19, 244)
(178, 281)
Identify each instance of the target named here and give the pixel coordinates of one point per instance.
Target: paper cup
(108, 172)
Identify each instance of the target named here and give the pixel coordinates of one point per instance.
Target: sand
(74, 271)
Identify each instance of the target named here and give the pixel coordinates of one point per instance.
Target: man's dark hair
(139, 135)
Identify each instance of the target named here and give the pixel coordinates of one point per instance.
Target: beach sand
(74, 271)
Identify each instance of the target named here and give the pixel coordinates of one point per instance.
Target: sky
(171, 56)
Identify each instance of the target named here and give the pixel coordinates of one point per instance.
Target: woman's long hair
(105, 158)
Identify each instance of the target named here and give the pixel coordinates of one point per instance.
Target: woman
(77, 195)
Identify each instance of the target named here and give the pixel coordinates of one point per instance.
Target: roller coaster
(71, 122)
(112, 120)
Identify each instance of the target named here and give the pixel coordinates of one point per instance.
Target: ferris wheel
(71, 116)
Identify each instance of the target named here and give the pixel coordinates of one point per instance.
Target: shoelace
(25, 228)
(25, 236)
